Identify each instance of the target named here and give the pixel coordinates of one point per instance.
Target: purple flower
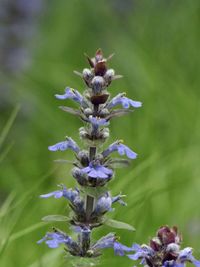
(172, 263)
(120, 249)
(104, 204)
(186, 255)
(141, 252)
(64, 192)
(120, 99)
(110, 241)
(121, 149)
(96, 170)
(96, 121)
(53, 240)
(71, 94)
(68, 144)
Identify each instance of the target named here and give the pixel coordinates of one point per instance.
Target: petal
(59, 146)
(93, 173)
(86, 169)
(135, 256)
(52, 243)
(130, 154)
(136, 247)
(58, 194)
(135, 104)
(125, 102)
(68, 94)
(121, 149)
(101, 174)
(48, 195)
(106, 170)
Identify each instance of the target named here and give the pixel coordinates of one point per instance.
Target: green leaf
(118, 224)
(119, 163)
(55, 218)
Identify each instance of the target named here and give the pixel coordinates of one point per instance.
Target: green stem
(89, 199)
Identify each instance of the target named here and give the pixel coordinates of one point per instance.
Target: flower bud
(173, 247)
(88, 112)
(109, 75)
(87, 75)
(103, 205)
(83, 133)
(98, 83)
(83, 156)
(104, 112)
(105, 133)
(79, 176)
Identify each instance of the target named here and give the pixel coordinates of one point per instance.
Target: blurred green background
(156, 45)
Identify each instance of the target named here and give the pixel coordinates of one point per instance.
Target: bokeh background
(156, 45)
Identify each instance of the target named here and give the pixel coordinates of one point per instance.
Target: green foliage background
(156, 46)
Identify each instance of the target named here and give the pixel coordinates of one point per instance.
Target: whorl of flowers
(94, 164)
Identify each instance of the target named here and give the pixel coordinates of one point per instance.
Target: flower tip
(51, 148)
(133, 155)
(139, 104)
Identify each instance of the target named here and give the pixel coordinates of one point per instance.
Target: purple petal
(56, 194)
(135, 104)
(59, 146)
(47, 195)
(135, 256)
(130, 154)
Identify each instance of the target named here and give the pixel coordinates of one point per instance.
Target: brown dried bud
(168, 235)
(99, 99)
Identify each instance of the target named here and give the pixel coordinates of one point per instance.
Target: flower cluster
(164, 250)
(94, 166)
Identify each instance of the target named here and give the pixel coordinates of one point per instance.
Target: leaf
(119, 163)
(55, 218)
(118, 224)
(9, 124)
(70, 110)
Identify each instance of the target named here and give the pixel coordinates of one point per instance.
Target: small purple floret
(62, 146)
(71, 94)
(121, 149)
(53, 240)
(96, 170)
(64, 192)
(126, 102)
(110, 241)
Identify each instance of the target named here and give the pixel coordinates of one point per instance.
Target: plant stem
(89, 199)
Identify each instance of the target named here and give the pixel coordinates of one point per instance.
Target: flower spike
(94, 167)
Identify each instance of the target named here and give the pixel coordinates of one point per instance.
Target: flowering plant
(93, 168)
